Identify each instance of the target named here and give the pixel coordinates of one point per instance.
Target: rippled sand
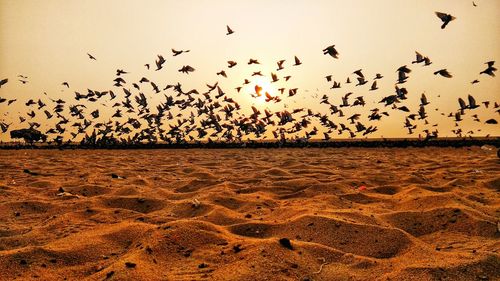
(350, 214)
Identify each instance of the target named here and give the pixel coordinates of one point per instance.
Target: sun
(264, 85)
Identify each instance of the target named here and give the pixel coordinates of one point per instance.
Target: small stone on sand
(285, 242)
(130, 264)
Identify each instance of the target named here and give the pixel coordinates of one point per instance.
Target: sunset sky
(48, 42)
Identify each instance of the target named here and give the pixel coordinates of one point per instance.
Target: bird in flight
(3, 82)
(443, 72)
(280, 64)
(120, 72)
(253, 61)
(402, 71)
(176, 53)
(419, 58)
(186, 69)
(229, 30)
(330, 50)
(91, 56)
(297, 61)
(159, 62)
(361, 81)
(274, 77)
(472, 102)
(336, 85)
(359, 73)
(490, 70)
(222, 73)
(445, 18)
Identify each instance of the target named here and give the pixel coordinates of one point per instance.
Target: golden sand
(349, 214)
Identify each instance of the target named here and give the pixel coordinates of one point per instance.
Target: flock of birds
(214, 114)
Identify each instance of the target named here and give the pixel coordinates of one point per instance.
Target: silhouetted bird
(253, 61)
(120, 72)
(423, 100)
(186, 69)
(222, 73)
(490, 70)
(176, 53)
(3, 82)
(280, 64)
(444, 73)
(472, 102)
(359, 73)
(274, 77)
(445, 18)
(330, 50)
(297, 61)
(419, 58)
(159, 62)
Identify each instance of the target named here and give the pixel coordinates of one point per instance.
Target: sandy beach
(250, 214)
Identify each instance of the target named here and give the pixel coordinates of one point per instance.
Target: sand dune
(350, 214)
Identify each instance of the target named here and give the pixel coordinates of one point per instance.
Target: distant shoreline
(365, 143)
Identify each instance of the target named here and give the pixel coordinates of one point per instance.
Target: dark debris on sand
(285, 242)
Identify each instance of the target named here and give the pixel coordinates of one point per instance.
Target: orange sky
(48, 41)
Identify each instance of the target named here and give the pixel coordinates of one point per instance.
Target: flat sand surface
(349, 214)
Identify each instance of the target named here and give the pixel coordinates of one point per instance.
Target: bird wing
(334, 53)
(472, 101)
(462, 103)
(402, 75)
(359, 73)
(3, 81)
(423, 99)
(419, 56)
(440, 15)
